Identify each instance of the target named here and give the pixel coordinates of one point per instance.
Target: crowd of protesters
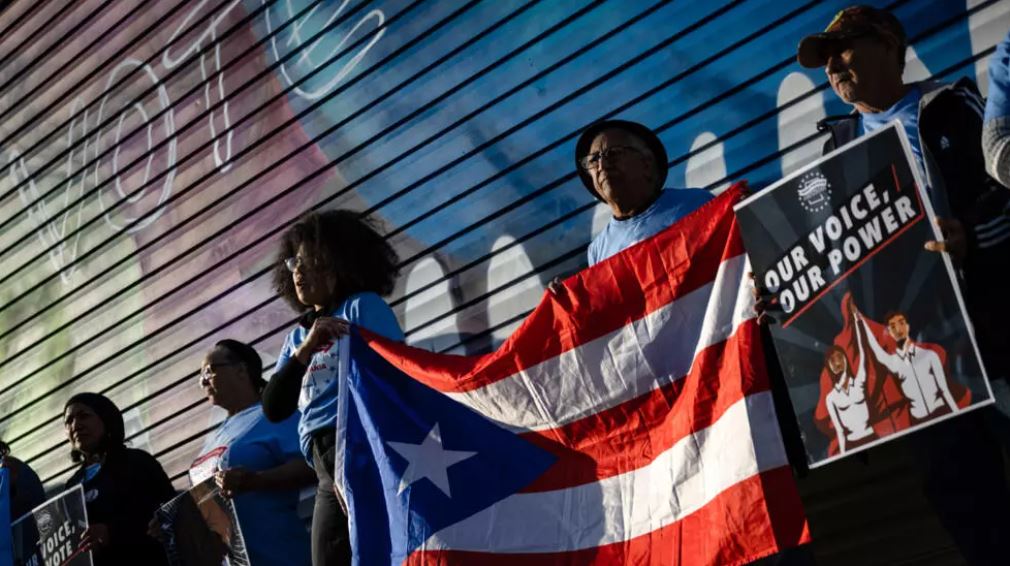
(279, 435)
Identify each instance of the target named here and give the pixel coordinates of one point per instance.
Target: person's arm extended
(293, 474)
(861, 370)
(837, 424)
(889, 361)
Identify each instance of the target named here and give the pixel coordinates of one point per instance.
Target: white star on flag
(428, 460)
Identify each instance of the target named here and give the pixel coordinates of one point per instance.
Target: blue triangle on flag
(416, 461)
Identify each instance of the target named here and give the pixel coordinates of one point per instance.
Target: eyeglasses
(213, 369)
(293, 263)
(616, 152)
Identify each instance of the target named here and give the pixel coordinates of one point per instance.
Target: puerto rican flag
(629, 420)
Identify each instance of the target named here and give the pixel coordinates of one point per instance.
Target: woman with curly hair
(333, 267)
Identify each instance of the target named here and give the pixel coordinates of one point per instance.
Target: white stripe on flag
(743, 442)
(623, 365)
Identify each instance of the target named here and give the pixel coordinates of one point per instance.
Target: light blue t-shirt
(273, 532)
(998, 105)
(318, 399)
(907, 111)
(671, 206)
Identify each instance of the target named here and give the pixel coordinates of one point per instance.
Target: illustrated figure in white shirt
(846, 402)
(919, 371)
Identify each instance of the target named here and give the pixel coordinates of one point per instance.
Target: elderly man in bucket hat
(624, 165)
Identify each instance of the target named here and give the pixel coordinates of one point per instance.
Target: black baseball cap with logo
(850, 23)
(640, 131)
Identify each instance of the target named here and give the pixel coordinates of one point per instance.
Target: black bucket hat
(640, 131)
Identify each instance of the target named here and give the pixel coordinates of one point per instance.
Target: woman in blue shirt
(333, 267)
(256, 462)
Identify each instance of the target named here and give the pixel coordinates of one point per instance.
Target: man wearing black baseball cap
(624, 165)
(862, 51)
(849, 24)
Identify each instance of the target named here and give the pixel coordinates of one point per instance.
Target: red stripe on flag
(757, 517)
(670, 265)
(634, 433)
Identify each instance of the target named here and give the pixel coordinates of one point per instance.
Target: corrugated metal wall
(153, 152)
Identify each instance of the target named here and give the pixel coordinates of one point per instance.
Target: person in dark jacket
(26, 489)
(863, 55)
(122, 486)
(862, 52)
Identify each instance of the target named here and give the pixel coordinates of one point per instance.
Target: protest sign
(51, 534)
(872, 335)
(200, 528)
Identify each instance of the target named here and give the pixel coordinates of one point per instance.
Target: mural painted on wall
(152, 153)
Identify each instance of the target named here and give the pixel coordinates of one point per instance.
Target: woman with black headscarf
(122, 486)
